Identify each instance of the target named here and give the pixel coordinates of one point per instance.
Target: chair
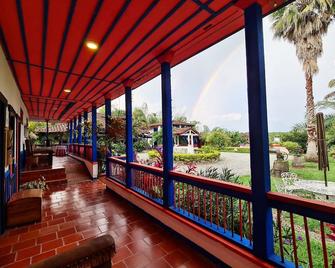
(40, 157)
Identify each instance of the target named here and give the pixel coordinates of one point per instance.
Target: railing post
(258, 132)
(74, 138)
(129, 135)
(70, 132)
(108, 113)
(79, 130)
(85, 132)
(94, 133)
(168, 191)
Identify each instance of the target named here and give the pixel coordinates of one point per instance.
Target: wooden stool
(24, 207)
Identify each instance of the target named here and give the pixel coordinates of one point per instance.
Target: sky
(211, 86)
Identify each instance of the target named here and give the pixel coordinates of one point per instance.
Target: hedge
(198, 157)
(237, 149)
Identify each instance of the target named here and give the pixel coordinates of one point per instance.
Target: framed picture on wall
(6, 145)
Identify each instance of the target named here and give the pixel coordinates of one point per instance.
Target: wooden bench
(97, 252)
(24, 207)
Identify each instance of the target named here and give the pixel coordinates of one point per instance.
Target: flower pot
(298, 161)
(280, 166)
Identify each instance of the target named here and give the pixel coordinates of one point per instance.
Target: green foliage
(218, 138)
(157, 137)
(36, 184)
(292, 147)
(199, 157)
(237, 149)
(190, 158)
(205, 149)
(140, 145)
(118, 148)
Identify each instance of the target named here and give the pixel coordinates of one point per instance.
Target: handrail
(311, 208)
(117, 160)
(232, 189)
(154, 170)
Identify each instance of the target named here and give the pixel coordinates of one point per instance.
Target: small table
(60, 150)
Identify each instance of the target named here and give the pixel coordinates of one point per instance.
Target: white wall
(9, 89)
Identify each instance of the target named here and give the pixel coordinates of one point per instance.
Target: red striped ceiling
(44, 42)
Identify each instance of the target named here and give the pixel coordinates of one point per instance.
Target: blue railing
(300, 226)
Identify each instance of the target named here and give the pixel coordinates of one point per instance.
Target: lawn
(311, 171)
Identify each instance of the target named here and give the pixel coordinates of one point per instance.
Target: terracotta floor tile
(155, 252)
(5, 250)
(28, 252)
(24, 244)
(160, 263)
(121, 254)
(72, 238)
(120, 265)
(19, 264)
(46, 238)
(8, 240)
(137, 261)
(52, 245)
(78, 212)
(176, 258)
(66, 247)
(7, 259)
(43, 256)
(154, 239)
(29, 235)
(66, 232)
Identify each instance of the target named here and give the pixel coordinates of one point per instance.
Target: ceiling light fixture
(67, 90)
(92, 45)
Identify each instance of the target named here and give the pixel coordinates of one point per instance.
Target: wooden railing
(82, 150)
(226, 209)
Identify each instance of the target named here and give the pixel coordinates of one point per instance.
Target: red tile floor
(75, 213)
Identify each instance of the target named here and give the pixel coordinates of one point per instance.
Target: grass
(311, 171)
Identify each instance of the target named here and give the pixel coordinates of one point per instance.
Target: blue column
(85, 130)
(74, 138)
(94, 134)
(129, 136)
(108, 113)
(70, 131)
(258, 132)
(80, 139)
(168, 191)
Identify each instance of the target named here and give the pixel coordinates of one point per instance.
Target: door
(3, 109)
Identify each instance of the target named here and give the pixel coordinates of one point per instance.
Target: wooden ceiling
(44, 42)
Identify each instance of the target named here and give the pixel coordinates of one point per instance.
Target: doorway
(3, 110)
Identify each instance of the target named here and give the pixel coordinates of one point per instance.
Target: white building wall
(11, 92)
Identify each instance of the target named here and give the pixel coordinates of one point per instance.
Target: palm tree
(303, 23)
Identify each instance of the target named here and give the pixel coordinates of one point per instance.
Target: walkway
(72, 214)
(76, 171)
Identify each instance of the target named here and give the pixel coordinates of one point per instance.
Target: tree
(303, 23)
(218, 138)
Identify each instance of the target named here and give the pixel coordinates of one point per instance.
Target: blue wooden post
(94, 134)
(70, 132)
(258, 133)
(168, 191)
(108, 113)
(85, 130)
(74, 138)
(80, 140)
(129, 136)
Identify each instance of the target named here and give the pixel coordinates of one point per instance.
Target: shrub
(153, 154)
(237, 149)
(199, 157)
(292, 147)
(141, 145)
(205, 149)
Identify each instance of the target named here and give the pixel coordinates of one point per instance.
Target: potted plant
(298, 158)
